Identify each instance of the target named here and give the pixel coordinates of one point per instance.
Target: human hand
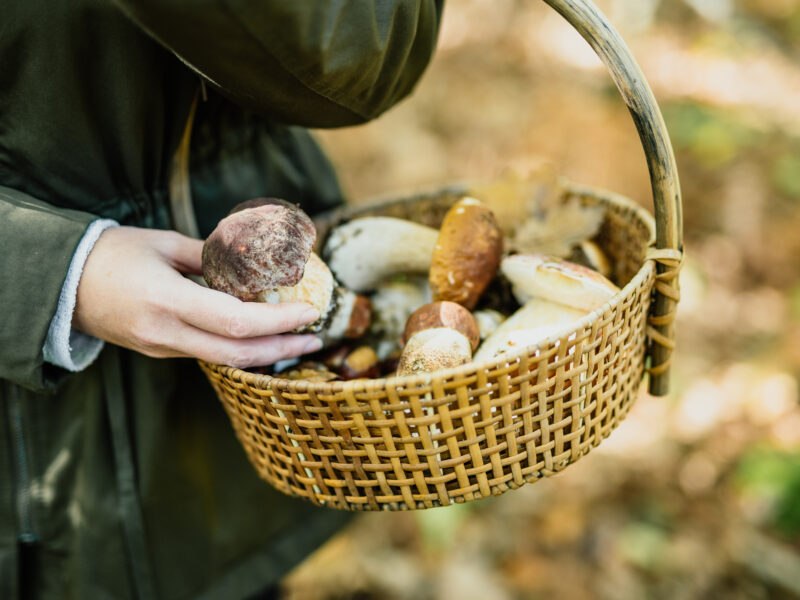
(132, 294)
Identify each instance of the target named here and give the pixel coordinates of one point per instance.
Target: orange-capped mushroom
(467, 253)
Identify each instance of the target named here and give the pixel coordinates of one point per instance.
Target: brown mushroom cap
(467, 253)
(257, 249)
(443, 314)
(360, 317)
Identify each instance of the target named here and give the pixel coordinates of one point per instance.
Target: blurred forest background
(696, 495)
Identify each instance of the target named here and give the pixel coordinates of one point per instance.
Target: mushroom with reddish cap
(439, 335)
(443, 314)
(262, 252)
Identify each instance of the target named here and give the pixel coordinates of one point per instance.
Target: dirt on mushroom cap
(258, 249)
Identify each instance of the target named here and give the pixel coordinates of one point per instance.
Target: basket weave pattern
(462, 434)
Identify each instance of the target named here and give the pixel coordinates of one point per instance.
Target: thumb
(184, 253)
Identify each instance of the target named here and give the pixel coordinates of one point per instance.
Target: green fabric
(36, 246)
(126, 480)
(319, 64)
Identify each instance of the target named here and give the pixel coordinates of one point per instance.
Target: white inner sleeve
(64, 346)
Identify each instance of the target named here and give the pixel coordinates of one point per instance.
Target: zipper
(21, 467)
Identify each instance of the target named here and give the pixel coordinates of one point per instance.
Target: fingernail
(312, 346)
(309, 316)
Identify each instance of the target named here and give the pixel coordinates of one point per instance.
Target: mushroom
(467, 253)
(310, 371)
(361, 363)
(259, 248)
(439, 335)
(392, 304)
(443, 314)
(532, 323)
(540, 276)
(488, 321)
(364, 252)
(262, 252)
(589, 254)
(317, 288)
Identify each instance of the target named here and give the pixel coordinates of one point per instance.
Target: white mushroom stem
(364, 252)
(315, 288)
(532, 323)
(392, 304)
(539, 276)
(336, 304)
(488, 321)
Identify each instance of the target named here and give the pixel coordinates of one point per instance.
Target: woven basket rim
(281, 384)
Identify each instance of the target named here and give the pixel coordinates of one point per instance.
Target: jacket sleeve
(327, 63)
(37, 242)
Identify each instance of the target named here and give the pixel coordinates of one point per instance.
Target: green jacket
(125, 480)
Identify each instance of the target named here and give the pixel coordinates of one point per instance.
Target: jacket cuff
(37, 242)
(66, 347)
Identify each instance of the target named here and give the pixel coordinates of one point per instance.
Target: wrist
(65, 346)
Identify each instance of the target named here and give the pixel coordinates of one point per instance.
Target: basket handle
(587, 19)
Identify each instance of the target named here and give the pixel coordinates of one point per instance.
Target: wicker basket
(466, 433)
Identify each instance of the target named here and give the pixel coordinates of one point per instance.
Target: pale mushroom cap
(539, 276)
(257, 249)
(364, 252)
(434, 349)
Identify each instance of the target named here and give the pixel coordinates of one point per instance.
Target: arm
(319, 64)
(131, 292)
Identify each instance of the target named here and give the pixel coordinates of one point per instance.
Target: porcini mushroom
(262, 252)
(532, 323)
(440, 335)
(467, 253)
(259, 248)
(443, 314)
(540, 276)
(364, 252)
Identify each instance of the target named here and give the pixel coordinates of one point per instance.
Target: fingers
(227, 316)
(261, 351)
